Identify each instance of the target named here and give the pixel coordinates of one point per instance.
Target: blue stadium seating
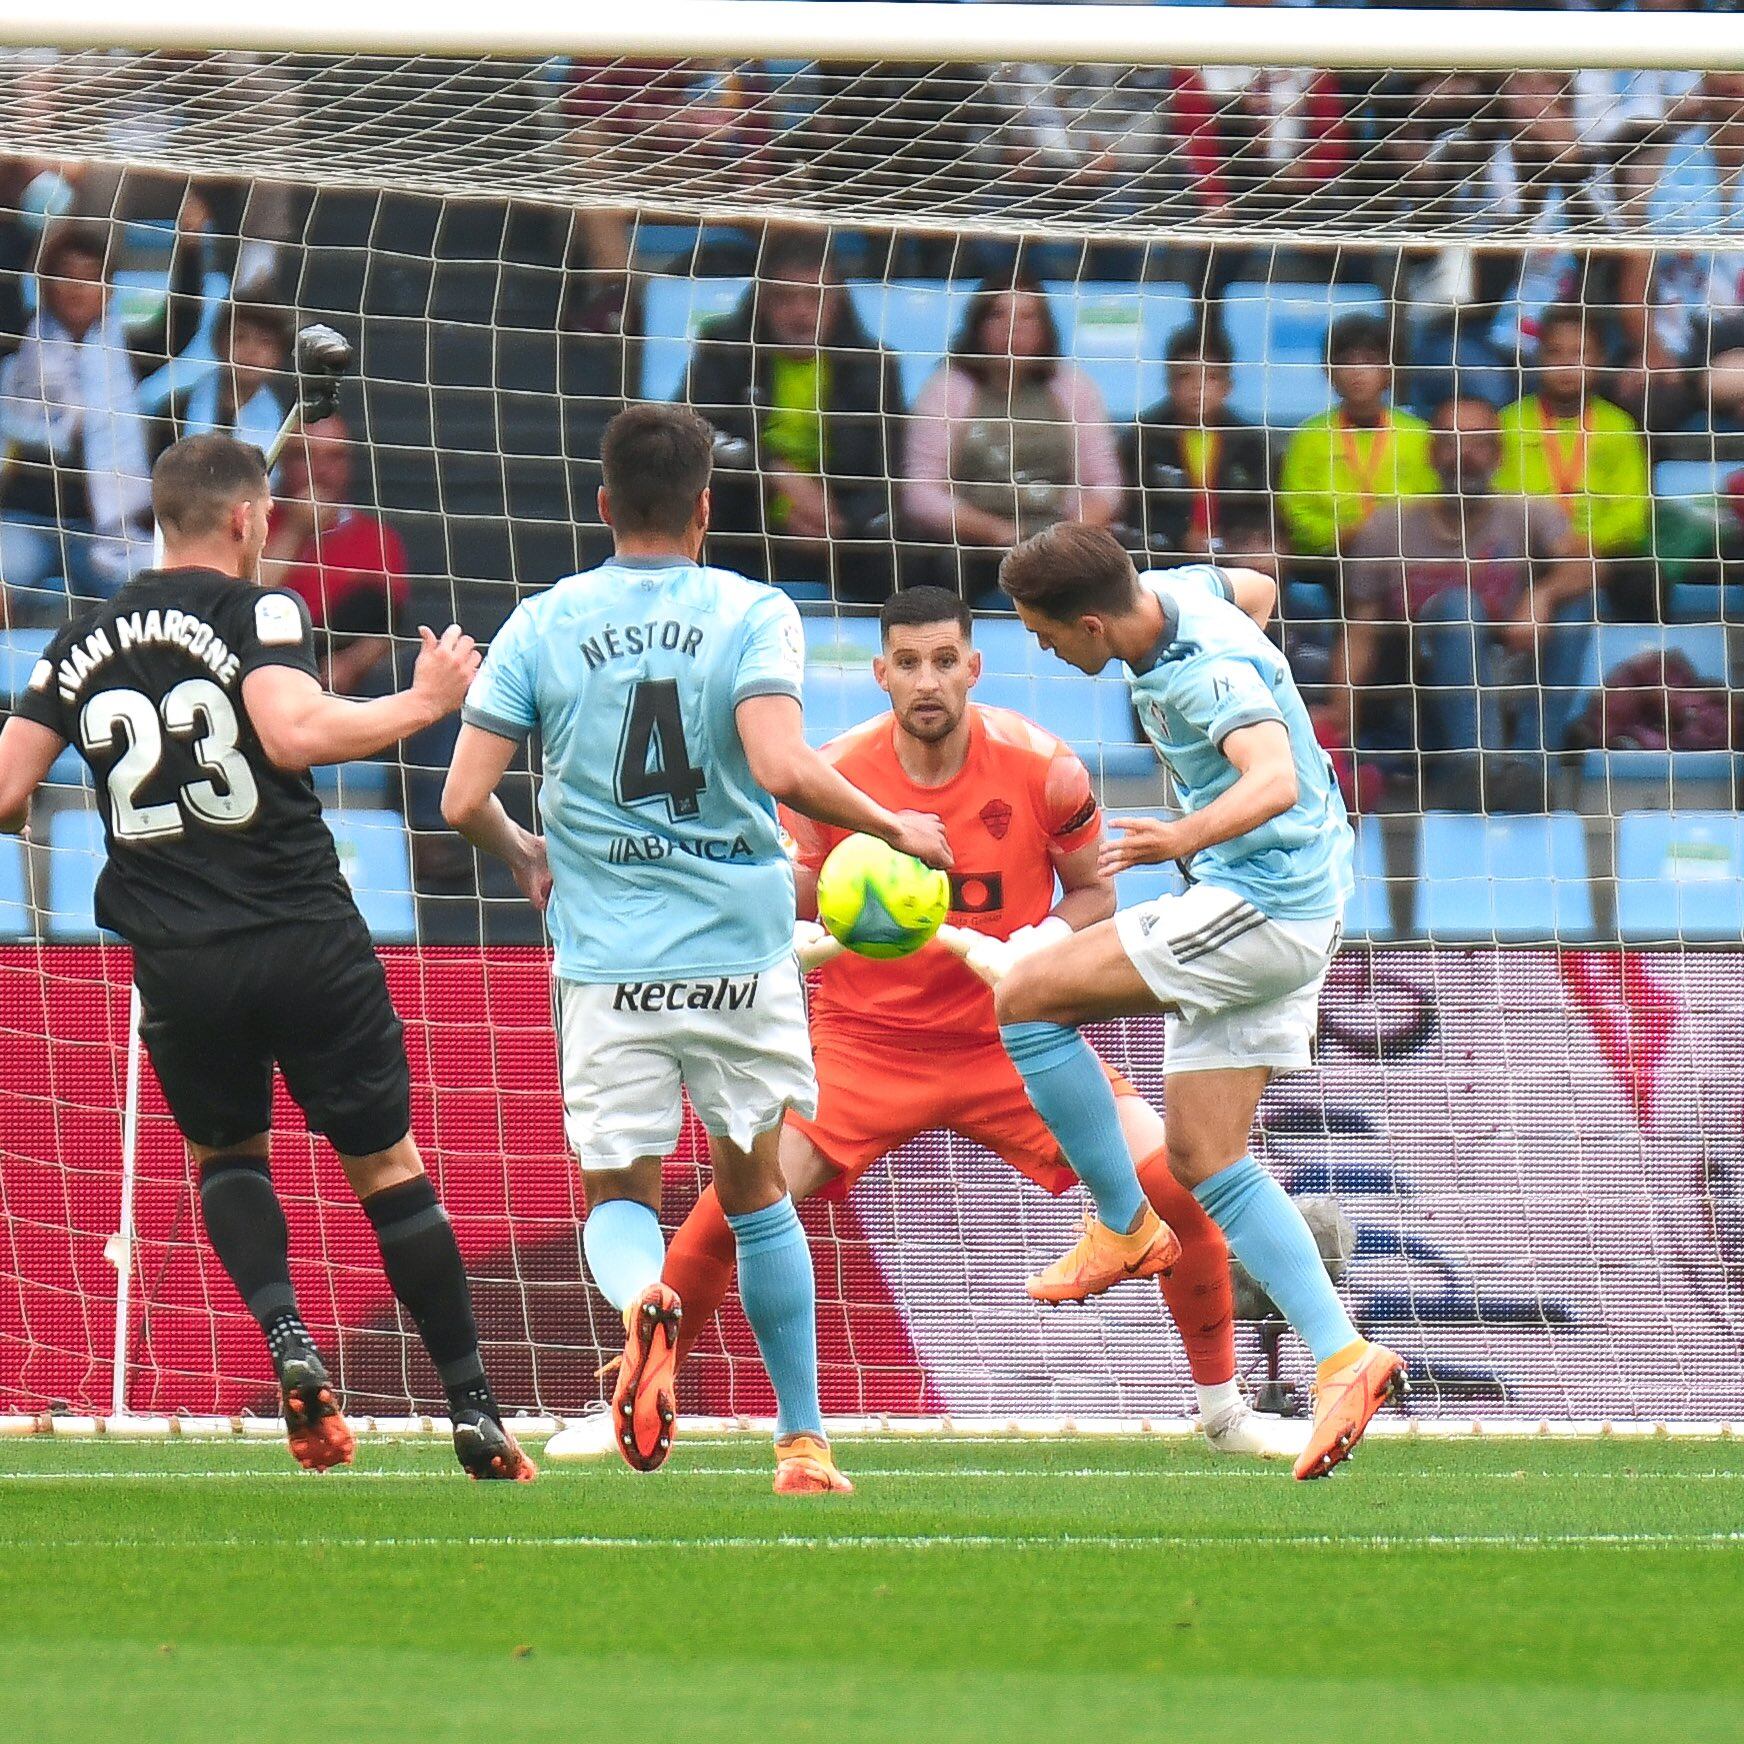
(1692, 478)
(1117, 336)
(1510, 878)
(1680, 875)
(915, 318)
(19, 652)
(75, 857)
(1093, 715)
(1147, 883)
(672, 311)
(376, 860)
(1278, 335)
(14, 890)
(365, 782)
(1370, 914)
(1704, 646)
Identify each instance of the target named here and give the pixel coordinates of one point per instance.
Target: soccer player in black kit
(193, 697)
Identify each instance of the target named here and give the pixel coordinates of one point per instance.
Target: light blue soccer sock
(625, 1249)
(1267, 1234)
(779, 1296)
(1071, 1093)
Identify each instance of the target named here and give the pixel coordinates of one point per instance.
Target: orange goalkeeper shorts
(874, 1095)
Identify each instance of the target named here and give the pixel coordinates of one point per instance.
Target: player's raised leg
(1071, 1093)
(1213, 1112)
(245, 1224)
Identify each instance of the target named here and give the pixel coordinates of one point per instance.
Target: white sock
(1217, 1400)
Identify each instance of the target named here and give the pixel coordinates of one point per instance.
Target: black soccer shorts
(309, 996)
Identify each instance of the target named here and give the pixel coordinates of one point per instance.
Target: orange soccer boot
(804, 1466)
(1350, 1389)
(1102, 1258)
(645, 1398)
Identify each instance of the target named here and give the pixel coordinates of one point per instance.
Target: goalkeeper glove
(814, 945)
(991, 958)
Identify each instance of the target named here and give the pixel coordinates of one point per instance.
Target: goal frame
(833, 31)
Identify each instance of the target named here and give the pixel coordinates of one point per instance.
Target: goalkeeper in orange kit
(912, 1046)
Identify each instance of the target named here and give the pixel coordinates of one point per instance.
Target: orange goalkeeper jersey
(1021, 800)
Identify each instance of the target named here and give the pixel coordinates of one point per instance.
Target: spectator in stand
(1005, 438)
(807, 395)
(1201, 476)
(1456, 602)
(1542, 180)
(75, 488)
(1667, 294)
(239, 393)
(1340, 467)
(1566, 443)
(349, 567)
(1284, 138)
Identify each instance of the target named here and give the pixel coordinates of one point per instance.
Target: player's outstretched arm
(470, 805)
(27, 753)
(1265, 788)
(772, 729)
(300, 725)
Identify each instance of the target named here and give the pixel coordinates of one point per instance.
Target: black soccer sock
(424, 1268)
(246, 1225)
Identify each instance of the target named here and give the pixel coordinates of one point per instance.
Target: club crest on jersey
(277, 622)
(996, 815)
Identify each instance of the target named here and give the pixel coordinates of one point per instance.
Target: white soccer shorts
(1245, 989)
(739, 1045)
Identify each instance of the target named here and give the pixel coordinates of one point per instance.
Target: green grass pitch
(989, 1590)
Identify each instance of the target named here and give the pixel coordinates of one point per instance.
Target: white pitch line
(1253, 1471)
(938, 1541)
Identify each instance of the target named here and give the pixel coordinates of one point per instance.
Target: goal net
(1446, 337)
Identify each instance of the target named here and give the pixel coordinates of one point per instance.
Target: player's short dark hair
(1196, 343)
(198, 480)
(925, 605)
(1071, 569)
(1565, 315)
(655, 461)
(1356, 332)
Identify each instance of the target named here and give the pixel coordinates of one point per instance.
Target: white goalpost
(1524, 1137)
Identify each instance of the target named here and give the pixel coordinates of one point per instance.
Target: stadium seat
(840, 697)
(1278, 335)
(1692, 478)
(1117, 335)
(672, 311)
(1704, 646)
(840, 639)
(75, 857)
(1370, 914)
(375, 857)
(19, 652)
(1147, 883)
(1680, 876)
(1503, 878)
(15, 920)
(365, 782)
(915, 318)
(806, 593)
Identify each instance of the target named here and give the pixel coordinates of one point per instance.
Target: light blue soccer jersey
(1214, 670)
(666, 857)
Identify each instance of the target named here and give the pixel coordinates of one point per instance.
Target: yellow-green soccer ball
(880, 903)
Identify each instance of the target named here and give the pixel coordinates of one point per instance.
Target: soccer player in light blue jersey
(1235, 962)
(666, 696)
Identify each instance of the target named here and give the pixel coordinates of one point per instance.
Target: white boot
(582, 1438)
(1258, 1434)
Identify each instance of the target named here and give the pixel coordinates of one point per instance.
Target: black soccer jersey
(205, 836)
